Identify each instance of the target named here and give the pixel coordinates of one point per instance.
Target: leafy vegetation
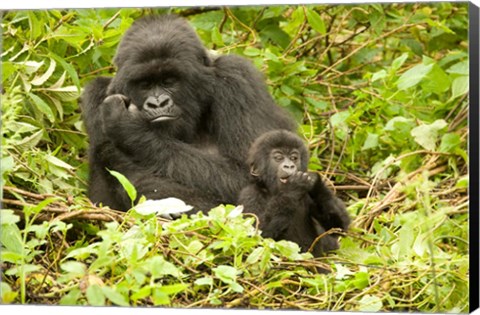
(380, 93)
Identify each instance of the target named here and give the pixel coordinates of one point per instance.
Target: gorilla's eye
(278, 157)
(294, 157)
(143, 84)
(169, 81)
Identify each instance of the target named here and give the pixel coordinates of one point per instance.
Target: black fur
(291, 203)
(208, 110)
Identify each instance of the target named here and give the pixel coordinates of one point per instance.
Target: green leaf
(316, 21)
(251, 51)
(398, 62)
(462, 182)
(379, 75)
(42, 106)
(413, 76)
(39, 80)
(115, 297)
(370, 142)
(437, 81)
(159, 267)
(95, 295)
(11, 238)
(129, 188)
(7, 296)
(74, 268)
(450, 142)
(57, 162)
(225, 273)
(71, 297)
(461, 68)
(426, 135)
(255, 255)
(460, 86)
(8, 217)
(370, 303)
(361, 280)
(204, 281)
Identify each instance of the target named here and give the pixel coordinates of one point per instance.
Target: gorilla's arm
(277, 212)
(327, 209)
(243, 108)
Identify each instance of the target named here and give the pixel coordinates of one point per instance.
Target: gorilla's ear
(253, 171)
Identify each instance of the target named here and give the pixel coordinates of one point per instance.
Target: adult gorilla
(174, 120)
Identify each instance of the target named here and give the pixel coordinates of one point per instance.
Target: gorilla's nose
(161, 101)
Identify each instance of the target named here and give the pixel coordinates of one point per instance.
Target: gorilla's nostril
(165, 102)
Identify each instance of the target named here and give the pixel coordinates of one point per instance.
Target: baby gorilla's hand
(300, 182)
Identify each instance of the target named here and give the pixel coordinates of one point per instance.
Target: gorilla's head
(165, 71)
(276, 155)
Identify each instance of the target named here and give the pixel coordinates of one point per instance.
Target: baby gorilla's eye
(294, 158)
(278, 157)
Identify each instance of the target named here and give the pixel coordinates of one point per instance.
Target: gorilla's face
(284, 162)
(158, 96)
(275, 156)
(167, 75)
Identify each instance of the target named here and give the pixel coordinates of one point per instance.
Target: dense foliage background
(380, 93)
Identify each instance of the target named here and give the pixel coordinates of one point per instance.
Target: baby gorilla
(290, 203)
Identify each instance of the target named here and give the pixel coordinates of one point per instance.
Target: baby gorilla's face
(284, 163)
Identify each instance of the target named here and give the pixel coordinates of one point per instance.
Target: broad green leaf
(8, 217)
(426, 135)
(361, 280)
(114, 296)
(450, 141)
(173, 288)
(251, 51)
(225, 273)
(71, 297)
(461, 68)
(398, 62)
(316, 21)
(379, 75)
(370, 303)
(11, 237)
(42, 106)
(460, 86)
(129, 188)
(437, 81)
(413, 76)
(370, 142)
(95, 295)
(159, 267)
(462, 182)
(339, 118)
(322, 105)
(255, 255)
(74, 268)
(204, 281)
(217, 37)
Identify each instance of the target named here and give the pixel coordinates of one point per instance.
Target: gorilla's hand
(114, 110)
(299, 182)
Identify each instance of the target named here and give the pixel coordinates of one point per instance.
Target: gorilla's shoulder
(236, 66)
